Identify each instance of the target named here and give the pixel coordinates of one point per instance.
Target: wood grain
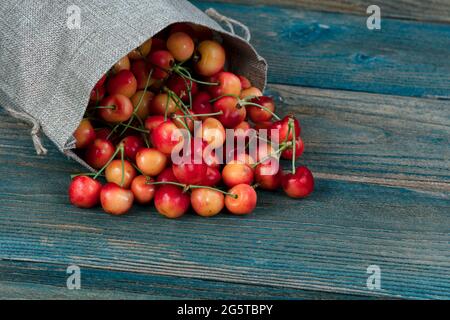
(432, 10)
(287, 248)
(336, 51)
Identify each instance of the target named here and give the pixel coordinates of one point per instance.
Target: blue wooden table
(375, 111)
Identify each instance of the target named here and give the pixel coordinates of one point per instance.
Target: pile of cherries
(158, 124)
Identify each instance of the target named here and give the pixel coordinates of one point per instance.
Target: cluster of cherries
(148, 105)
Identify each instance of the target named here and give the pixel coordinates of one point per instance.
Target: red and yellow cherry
(298, 185)
(232, 113)
(116, 108)
(131, 145)
(114, 173)
(242, 200)
(171, 201)
(201, 104)
(158, 44)
(116, 200)
(212, 177)
(123, 82)
(250, 93)
(142, 51)
(161, 61)
(84, 192)
(97, 94)
(181, 46)
(212, 132)
(167, 175)
(268, 175)
(141, 72)
(152, 122)
(228, 84)
(245, 83)
(257, 114)
(283, 128)
(181, 87)
(207, 202)
(142, 101)
(101, 82)
(211, 58)
(166, 137)
(122, 64)
(104, 133)
(85, 134)
(98, 153)
(235, 173)
(299, 148)
(162, 102)
(143, 191)
(150, 161)
(238, 155)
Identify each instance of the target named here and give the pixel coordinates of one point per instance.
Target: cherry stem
(184, 73)
(105, 107)
(280, 150)
(82, 174)
(139, 103)
(187, 187)
(134, 128)
(244, 102)
(292, 126)
(119, 149)
(199, 115)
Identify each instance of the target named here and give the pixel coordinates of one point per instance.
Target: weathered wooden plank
(359, 145)
(432, 10)
(31, 280)
(337, 51)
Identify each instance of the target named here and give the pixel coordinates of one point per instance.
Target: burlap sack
(50, 59)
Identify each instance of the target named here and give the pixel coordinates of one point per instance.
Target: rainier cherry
(232, 113)
(84, 192)
(150, 161)
(142, 51)
(122, 64)
(235, 173)
(123, 83)
(181, 87)
(207, 202)
(97, 94)
(211, 58)
(180, 45)
(299, 148)
(171, 201)
(141, 73)
(161, 61)
(241, 199)
(99, 153)
(163, 104)
(212, 132)
(116, 200)
(166, 176)
(166, 136)
(116, 108)
(152, 122)
(299, 184)
(142, 101)
(85, 134)
(143, 191)
(201, 104)
(228, 84)
(212, 177)
(251, 92)
(245, 83)
(114, 173)
(131, 145)
(283, 128)
(257, 114)
(268, 175)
